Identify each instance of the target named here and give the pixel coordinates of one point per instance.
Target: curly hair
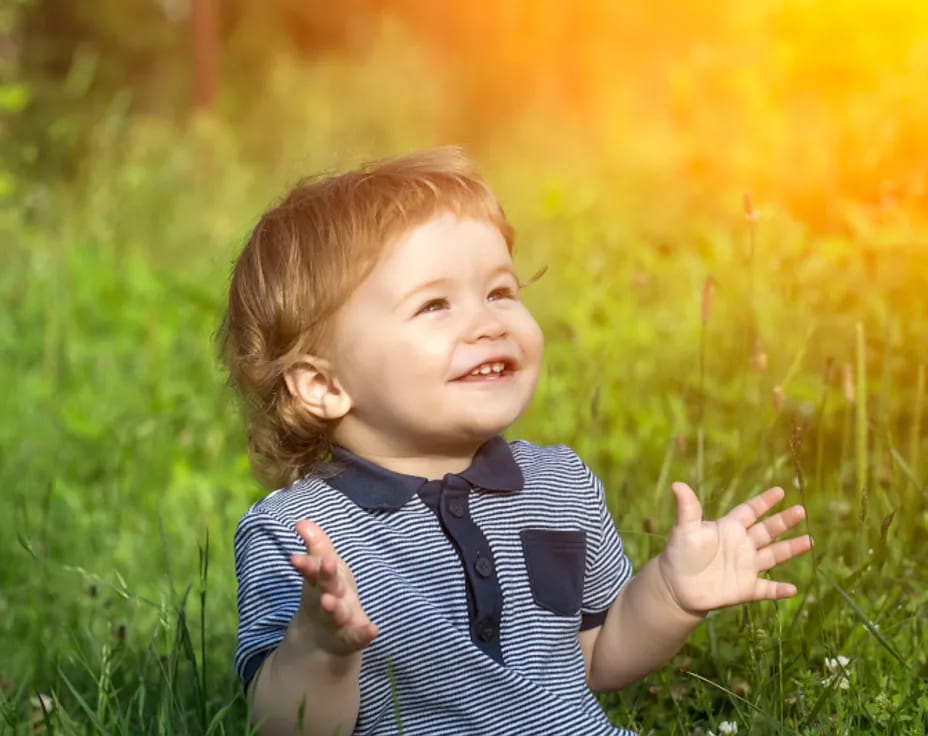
(299, 265)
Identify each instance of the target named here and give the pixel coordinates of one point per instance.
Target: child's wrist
(307, 638)
(665, 590)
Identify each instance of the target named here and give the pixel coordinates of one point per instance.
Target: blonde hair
(299, 265)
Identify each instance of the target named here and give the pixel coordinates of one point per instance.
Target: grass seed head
(708, 288)
(829, 375)
(740, 687)
(778, 397)
(847, 382)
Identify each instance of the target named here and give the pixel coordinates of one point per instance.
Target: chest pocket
(555, 560)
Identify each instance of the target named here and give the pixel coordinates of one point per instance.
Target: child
(416, 571)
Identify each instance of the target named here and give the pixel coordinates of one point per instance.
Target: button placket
(485, 596)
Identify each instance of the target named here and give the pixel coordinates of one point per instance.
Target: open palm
(329, 599)
(713, 564)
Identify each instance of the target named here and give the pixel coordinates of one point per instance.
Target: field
(692, 333)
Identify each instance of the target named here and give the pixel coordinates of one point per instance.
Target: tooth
(498, 367)
(475, 372)
(485, 368)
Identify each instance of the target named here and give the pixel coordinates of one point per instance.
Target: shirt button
(486, 630)
(484, 566)
(456, 507)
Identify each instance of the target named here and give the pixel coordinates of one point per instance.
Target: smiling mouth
(489, 371)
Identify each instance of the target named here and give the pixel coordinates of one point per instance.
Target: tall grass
(123, 456)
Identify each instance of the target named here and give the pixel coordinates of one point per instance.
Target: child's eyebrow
(505, 269)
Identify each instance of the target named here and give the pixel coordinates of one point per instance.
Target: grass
(122, 455)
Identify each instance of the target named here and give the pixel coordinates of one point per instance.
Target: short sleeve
(269, 587)
(607, 567)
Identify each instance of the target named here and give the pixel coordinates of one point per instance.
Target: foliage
(709, 90)
(122, 454)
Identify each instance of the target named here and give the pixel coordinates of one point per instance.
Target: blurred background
(731, 199)
(815, 107)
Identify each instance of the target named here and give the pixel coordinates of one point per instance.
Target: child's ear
(312, 381)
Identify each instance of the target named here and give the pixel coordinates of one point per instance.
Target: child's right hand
(330, 596)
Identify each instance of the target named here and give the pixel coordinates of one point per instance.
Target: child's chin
(482, 431)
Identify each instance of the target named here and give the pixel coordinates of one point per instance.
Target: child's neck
(432, 463)
(432, 467)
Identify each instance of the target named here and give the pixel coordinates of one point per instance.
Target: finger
(751, 510)
(343, 612)
(331, 577)
(307, 566)
(348, 621)
(336, 608)
(689, 510)
(364, 635)
(772, 590)
(317, 541)
(772, 555)
(764, 532)
(360, 636)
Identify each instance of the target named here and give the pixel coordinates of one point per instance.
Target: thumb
(317, 541)
(689, 510)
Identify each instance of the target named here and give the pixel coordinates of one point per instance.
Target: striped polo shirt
(478, 582)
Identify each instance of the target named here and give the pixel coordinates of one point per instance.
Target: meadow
(692, 333)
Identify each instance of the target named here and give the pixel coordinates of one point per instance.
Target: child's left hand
(713, 564)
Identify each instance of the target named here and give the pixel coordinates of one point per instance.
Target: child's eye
(433, 305)
(503, 292)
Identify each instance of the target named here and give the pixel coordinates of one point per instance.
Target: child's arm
(706, 565)
(309, 684)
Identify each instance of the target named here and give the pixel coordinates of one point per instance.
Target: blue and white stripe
(411, 584)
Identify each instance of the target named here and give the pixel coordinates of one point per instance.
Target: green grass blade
(88, 711)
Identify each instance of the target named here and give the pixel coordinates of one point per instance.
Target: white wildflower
(838, 667)
(42, 703)
(728, 727)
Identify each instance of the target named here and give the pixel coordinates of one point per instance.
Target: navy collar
(373, 487)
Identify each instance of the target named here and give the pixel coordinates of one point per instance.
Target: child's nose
(484, 324)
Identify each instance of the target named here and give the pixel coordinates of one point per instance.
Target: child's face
(440, 304)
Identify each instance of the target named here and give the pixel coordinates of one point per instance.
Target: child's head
(324, 334)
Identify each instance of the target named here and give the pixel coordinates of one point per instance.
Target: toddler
(415, 572)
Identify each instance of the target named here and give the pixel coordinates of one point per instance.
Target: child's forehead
(444, 238)
(445, 248)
